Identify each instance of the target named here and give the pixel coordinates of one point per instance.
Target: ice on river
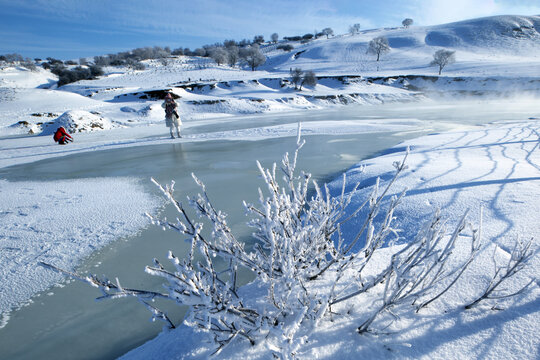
(60, 222)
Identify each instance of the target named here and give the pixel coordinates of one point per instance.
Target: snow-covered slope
(487, 42)
(493, 55)
(19, 77)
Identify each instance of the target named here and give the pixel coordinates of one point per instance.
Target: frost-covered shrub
(302, 262)
(133, 56)
(354, 29)
(135, 65)
(28, 64)
(66, 76)
(17, 59)
(12, 58)
(219, 55)
(328, 32)
(258, 39)
(296, 76)
(96, 71)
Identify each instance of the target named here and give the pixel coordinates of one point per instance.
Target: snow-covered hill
(480, 44)
(496, 55)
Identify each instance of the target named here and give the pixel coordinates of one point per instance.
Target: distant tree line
(310, 36)
(230, 52)
(134, 57)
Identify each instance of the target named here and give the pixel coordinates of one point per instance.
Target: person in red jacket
(61, 136)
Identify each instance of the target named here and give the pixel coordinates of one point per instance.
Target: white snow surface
(496, 168)
(60, 223)
(75, 121)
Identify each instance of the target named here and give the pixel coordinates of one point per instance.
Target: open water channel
(67, 323)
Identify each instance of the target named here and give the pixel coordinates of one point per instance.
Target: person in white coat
(172, 120)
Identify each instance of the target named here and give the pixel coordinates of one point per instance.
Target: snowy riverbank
(496, 168)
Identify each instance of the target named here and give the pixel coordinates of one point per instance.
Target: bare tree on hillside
(258, 39)
(354, 29)
(328, 32)
(233, 55)
(296, 77)
(274, 37)
(442, 58)
(378, 46)
(252, 56)
(407, 22)
(309, 79)
(219, 55)
(29, 64)
(285, 47)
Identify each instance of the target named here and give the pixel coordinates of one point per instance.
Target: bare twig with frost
(415, 270)
(112, 290)
(519, 257)
(374, 201)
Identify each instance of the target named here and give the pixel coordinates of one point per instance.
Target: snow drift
(75, 121)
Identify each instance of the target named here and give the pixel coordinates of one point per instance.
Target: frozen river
(66, 322)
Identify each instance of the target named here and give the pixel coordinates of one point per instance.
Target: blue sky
(69, 29)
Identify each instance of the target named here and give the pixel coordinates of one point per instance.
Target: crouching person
(172, 120)
(61, 136)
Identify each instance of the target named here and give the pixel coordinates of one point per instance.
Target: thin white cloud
(433, 12)
(203, 18)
